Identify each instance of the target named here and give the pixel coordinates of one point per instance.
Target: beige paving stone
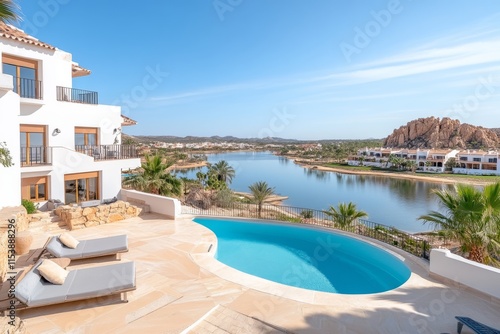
(172, 259)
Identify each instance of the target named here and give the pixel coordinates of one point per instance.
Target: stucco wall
(54, 66)
(476, 171)
(469, 273)
(168, 206)
(10, 182)
(55, 69)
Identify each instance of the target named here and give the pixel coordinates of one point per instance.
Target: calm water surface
(389, 201)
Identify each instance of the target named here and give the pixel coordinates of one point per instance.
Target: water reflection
(389, 201)
(283, 160)
(318, 174)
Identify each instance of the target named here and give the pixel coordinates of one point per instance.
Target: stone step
(40, 215)
(145, 208)
(55, 229)
(47, 222)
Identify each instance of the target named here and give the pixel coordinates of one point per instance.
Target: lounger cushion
(68, 240)
(102, 280)
(29, 283)
(52, 272)
(108, 245)
(89, 248)
(33, 290)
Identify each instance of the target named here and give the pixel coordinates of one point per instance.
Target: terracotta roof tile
(78, 71)
(11, 32)
(126, 121)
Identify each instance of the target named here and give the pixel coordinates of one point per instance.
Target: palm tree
(412, 165)
(154, 178)
(345, 214)
(170, 185)
(8, 11)
(472, 218)
(260, 192)
(186, 182)
(392, 159)
(223, 171)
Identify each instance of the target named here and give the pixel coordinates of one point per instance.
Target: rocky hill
(432, 132)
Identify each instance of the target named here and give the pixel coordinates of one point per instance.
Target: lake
(388, 201)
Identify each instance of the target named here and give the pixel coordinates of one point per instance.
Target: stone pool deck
(180, 285)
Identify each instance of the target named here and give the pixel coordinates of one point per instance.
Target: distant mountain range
(430, 132)
(231, 139)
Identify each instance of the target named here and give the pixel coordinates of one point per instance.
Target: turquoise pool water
(306, 257)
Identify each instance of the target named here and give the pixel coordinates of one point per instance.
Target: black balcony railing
(77, 95)
(28, 88)
(36, 156)
(109, 152)
(415, 245)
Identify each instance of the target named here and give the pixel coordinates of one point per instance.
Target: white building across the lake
(426, 160)
(477, 163)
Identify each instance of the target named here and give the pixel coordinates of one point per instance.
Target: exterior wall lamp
(56, 131)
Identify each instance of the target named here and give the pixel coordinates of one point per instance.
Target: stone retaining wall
(78, 217)
(19, 214)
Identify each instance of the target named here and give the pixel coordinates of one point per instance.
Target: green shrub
(224, 198)
(29, 206)
(286, 218)
(306, 214)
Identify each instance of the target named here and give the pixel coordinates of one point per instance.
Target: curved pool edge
(419, 269)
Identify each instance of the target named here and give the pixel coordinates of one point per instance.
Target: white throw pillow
(68, 240)
(52, 272)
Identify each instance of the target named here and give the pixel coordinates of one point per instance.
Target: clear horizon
(287, 69)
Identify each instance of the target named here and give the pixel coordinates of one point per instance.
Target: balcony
(76, 95)
(435, 158)
(36, 156)
(28, 88)
(109, 152)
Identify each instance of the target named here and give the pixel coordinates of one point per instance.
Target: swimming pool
(306, 257)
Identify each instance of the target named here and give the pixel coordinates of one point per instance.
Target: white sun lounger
(34, 291)
(88, 248)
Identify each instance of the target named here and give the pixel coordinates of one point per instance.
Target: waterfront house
(427, 160)
(477, 162)
(435, 160)
(64, 144)
(376, 157)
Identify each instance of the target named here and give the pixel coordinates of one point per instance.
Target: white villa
(478, 163)
(64, 144)
(427, 160)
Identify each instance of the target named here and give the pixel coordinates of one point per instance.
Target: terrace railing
(36, 156)
(77, 95)
(109, 152)
(28, 88)
(418, 246)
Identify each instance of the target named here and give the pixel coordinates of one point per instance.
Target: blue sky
(322, 69)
